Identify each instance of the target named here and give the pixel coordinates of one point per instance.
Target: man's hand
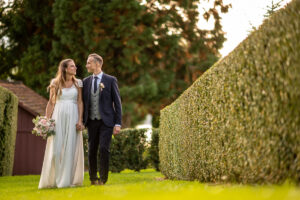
(117, 130)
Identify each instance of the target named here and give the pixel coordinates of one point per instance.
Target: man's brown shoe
(94, 182)
(100, 183)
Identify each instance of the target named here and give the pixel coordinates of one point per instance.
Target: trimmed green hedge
(154, 150)
(130, 150)
(240, 121)
(8, 130)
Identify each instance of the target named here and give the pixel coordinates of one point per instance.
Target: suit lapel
(103, 82)
(89, 87)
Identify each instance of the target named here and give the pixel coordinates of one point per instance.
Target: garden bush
(8, 130)
(153, 149)
(127, 150)
(240, 121)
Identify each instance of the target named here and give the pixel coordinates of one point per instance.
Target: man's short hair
(97, 58)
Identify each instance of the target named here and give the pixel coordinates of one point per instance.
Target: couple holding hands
(94, 103)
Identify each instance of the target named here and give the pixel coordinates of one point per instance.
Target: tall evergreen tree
(27, 27)
(154, 48)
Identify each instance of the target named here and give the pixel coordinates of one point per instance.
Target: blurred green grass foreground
(147, 184)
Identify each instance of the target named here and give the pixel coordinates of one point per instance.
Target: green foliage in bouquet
(240, 121)
(8, 130)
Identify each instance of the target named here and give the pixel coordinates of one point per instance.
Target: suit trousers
(99, 136)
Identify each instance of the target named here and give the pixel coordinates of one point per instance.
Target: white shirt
(98, 80)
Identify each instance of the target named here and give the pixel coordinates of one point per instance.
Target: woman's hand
(79, 126)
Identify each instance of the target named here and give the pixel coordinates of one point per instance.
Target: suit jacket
(110, 101)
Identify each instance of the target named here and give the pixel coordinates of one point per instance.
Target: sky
(238, 21)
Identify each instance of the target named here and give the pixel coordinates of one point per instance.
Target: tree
(26, 51)
(154, 48)
(272, 8)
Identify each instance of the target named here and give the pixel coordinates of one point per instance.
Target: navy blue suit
(110, 100)
(100, 131)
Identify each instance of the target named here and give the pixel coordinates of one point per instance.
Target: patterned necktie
(95, 84)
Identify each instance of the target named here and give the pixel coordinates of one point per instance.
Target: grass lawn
(147, 184)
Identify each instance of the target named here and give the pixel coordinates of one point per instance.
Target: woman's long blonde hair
(59, 81)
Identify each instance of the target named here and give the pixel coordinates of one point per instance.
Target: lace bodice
(69, 94)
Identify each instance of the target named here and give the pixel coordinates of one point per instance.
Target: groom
(102, 115)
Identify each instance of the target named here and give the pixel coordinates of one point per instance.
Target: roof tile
(27, 97)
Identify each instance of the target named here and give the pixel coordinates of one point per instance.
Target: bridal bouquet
(43, 126)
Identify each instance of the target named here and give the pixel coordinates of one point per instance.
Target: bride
(63, 164)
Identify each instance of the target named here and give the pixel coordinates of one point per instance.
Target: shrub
(240, 121)
(127, 150)
(8, 130)
(153, 149)
(134, 145)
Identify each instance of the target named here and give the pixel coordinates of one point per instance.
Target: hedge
(8, 130)
(240, 121)
(129, 150)
(153, 150)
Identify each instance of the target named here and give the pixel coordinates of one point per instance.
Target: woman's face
(71, 69)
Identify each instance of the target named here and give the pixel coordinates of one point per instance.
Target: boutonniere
(102, 86)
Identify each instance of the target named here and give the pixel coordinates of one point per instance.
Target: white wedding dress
(63, 164)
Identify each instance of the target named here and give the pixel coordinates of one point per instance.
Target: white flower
(102, 86)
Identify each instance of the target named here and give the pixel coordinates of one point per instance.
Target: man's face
(91, 65)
